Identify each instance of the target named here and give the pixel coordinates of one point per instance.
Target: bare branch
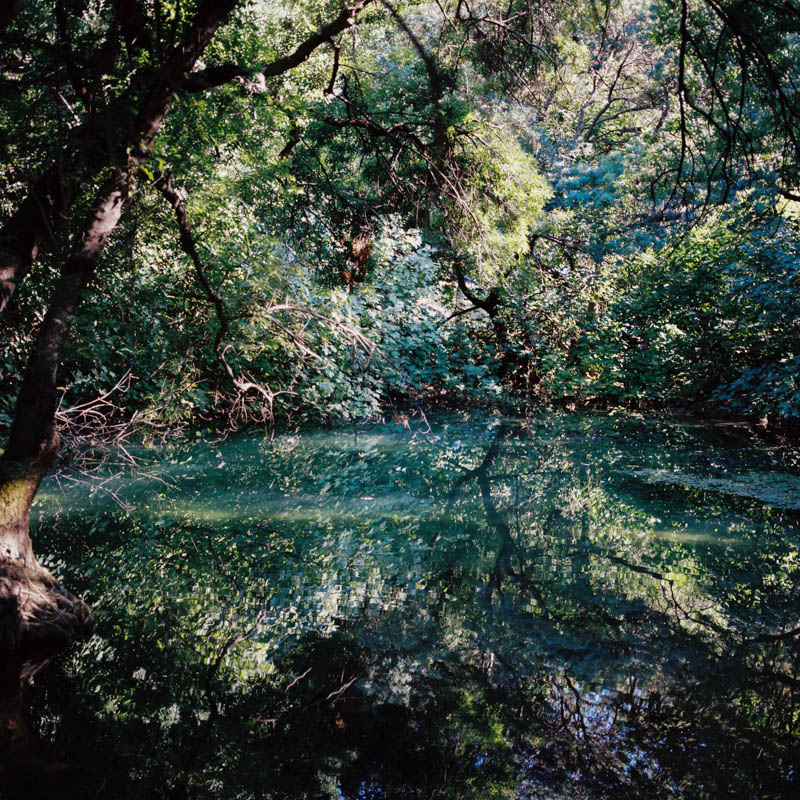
(164, 185)
(334, 69)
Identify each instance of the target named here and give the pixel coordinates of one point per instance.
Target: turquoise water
(556, 607)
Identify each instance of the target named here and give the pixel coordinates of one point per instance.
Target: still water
(557, 607)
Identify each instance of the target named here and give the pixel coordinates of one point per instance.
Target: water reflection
(499, 608)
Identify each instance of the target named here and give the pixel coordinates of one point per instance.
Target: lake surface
(564, 606)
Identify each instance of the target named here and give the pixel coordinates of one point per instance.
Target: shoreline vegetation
(223, 215)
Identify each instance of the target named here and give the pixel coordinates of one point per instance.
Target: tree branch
(41, 213)
(164, 185)
(224, 73)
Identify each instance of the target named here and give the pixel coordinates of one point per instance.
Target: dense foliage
(589, 203)
(222, 212)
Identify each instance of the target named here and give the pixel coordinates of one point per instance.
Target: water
(560, 607)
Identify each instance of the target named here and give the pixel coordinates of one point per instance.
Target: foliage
(688, 322)
(334, 213)
(549, 158)
(481, 610)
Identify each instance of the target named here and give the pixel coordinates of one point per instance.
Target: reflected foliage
(495, 608)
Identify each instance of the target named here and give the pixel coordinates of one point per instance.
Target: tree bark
(40, 215)
(37, 617)
(35, 222)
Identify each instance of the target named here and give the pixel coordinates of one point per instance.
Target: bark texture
(34, 224)
(37, 617)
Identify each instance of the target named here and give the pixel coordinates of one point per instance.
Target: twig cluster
(100, 440)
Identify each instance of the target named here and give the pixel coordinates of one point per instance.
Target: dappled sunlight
(399, 401)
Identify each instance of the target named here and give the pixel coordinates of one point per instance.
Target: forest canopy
(611, 187)
(228, 212)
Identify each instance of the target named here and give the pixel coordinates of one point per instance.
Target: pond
(563, 606)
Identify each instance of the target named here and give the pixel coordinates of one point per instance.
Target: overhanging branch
(164, 185)
(224, 73)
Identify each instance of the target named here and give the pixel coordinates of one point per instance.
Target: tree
(533, 143)
(520, 137)
(110, 139)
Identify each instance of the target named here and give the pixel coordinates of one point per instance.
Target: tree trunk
(38, 618)
(41, 214)
(28, 230)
